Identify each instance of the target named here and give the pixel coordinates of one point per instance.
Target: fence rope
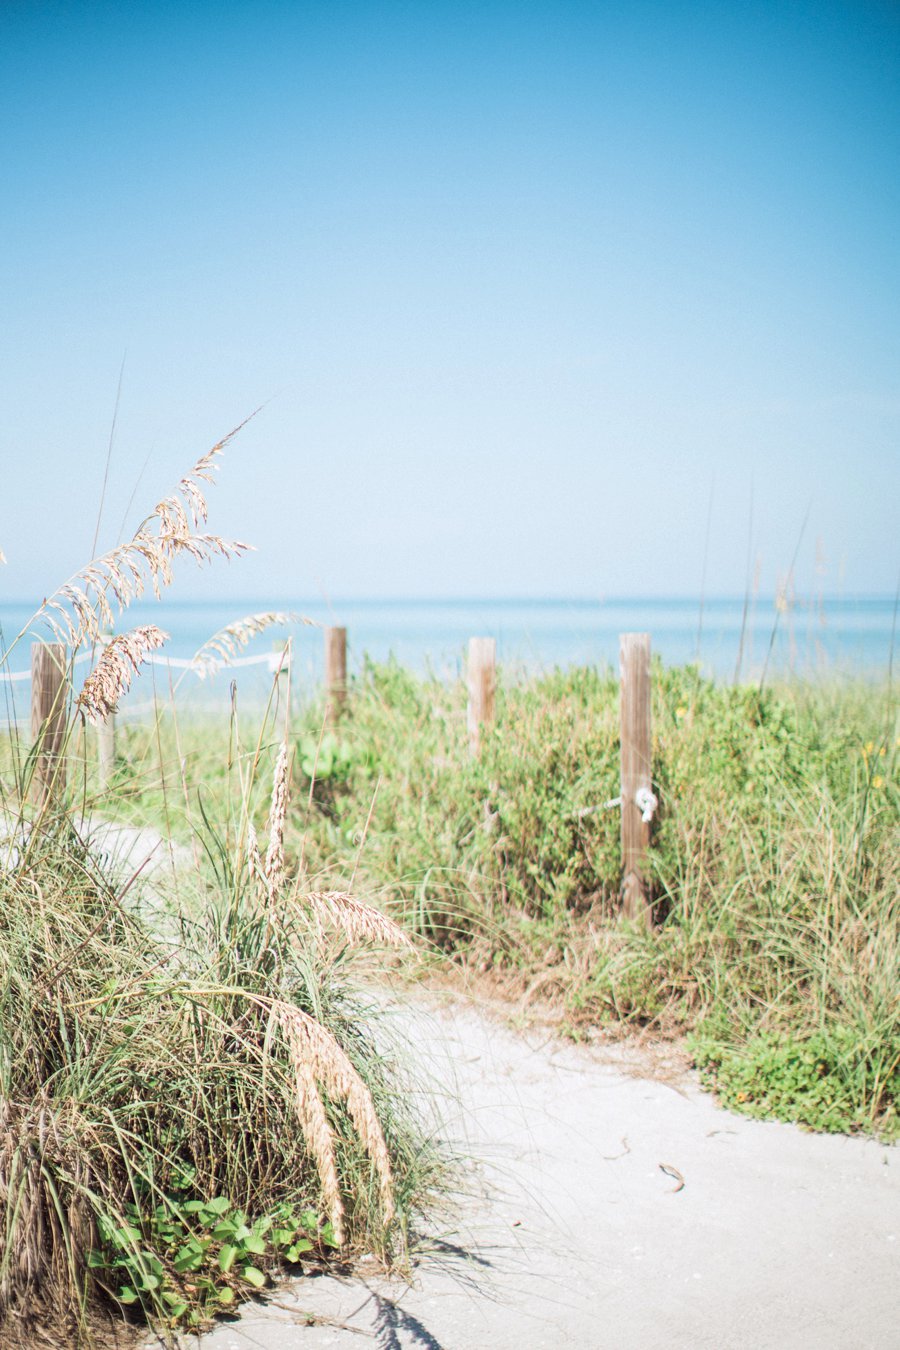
(646, 802)
(274, 660)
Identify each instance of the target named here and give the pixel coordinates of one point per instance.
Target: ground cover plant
(191, 1096)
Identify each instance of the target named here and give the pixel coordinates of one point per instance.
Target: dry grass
(111, 677)
(225, 645)
(274, 868)
(86, 605)
(359, 922)
(316, 1058)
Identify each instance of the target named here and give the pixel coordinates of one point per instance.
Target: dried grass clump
(317, 1058)
(113, 673)
(125, 1063)
(44, 1178)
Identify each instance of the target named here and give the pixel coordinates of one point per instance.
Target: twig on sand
(614, 1157)
(673, 1172)
(311, 1319)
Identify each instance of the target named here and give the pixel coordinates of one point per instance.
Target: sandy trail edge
(576, 1236)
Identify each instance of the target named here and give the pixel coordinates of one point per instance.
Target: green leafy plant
(197, 1257)
(821, 1082)
(324, 758)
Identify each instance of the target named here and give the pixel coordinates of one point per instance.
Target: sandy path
(576, 1236)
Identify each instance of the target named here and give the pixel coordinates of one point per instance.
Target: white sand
(575, 1236)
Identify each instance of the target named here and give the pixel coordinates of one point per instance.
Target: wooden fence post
(335, 672)
(49, 696)
(638, 801)
(106, 749)
(481, 673)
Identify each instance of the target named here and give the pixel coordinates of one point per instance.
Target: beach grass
(193, 1097)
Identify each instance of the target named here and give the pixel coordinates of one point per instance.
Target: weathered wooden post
(481, 673)
(638, 801)
(106, 749)
(49, 696)
(335, 672)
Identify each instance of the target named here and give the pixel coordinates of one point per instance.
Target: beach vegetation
(774, 866)
(193, 1096)
(774, 862)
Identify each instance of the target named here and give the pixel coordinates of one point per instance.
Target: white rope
(583, 812)
(9, 676)
(275, 661)
(646, 802)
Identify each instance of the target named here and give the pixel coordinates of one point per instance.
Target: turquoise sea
(847, 635)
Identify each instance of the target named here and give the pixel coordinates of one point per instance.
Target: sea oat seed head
(255, 867)
(316, 1057)
(224, 645)
(360, 922)
(124, 572)
(277, 817)
(113, 673)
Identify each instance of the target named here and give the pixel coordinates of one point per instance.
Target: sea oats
(360, 922)
(113, 673)
(205, 467)
(171, 511)
(63, 628)
(255, 867)
(277, 817)
(196, 502)
(81, 608)
(318, 1059)
(173, 517)
(224, 645)
(318, 1133)
(79, 601)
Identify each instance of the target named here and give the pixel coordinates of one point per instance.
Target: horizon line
(799, 598)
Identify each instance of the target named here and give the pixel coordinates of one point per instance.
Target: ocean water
(825, 637)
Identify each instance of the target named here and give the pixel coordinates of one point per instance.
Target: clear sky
(525, 289)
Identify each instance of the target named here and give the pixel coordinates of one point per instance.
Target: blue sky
(523, 287)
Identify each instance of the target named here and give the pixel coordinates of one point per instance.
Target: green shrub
(825, 1082)
(774, 860)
